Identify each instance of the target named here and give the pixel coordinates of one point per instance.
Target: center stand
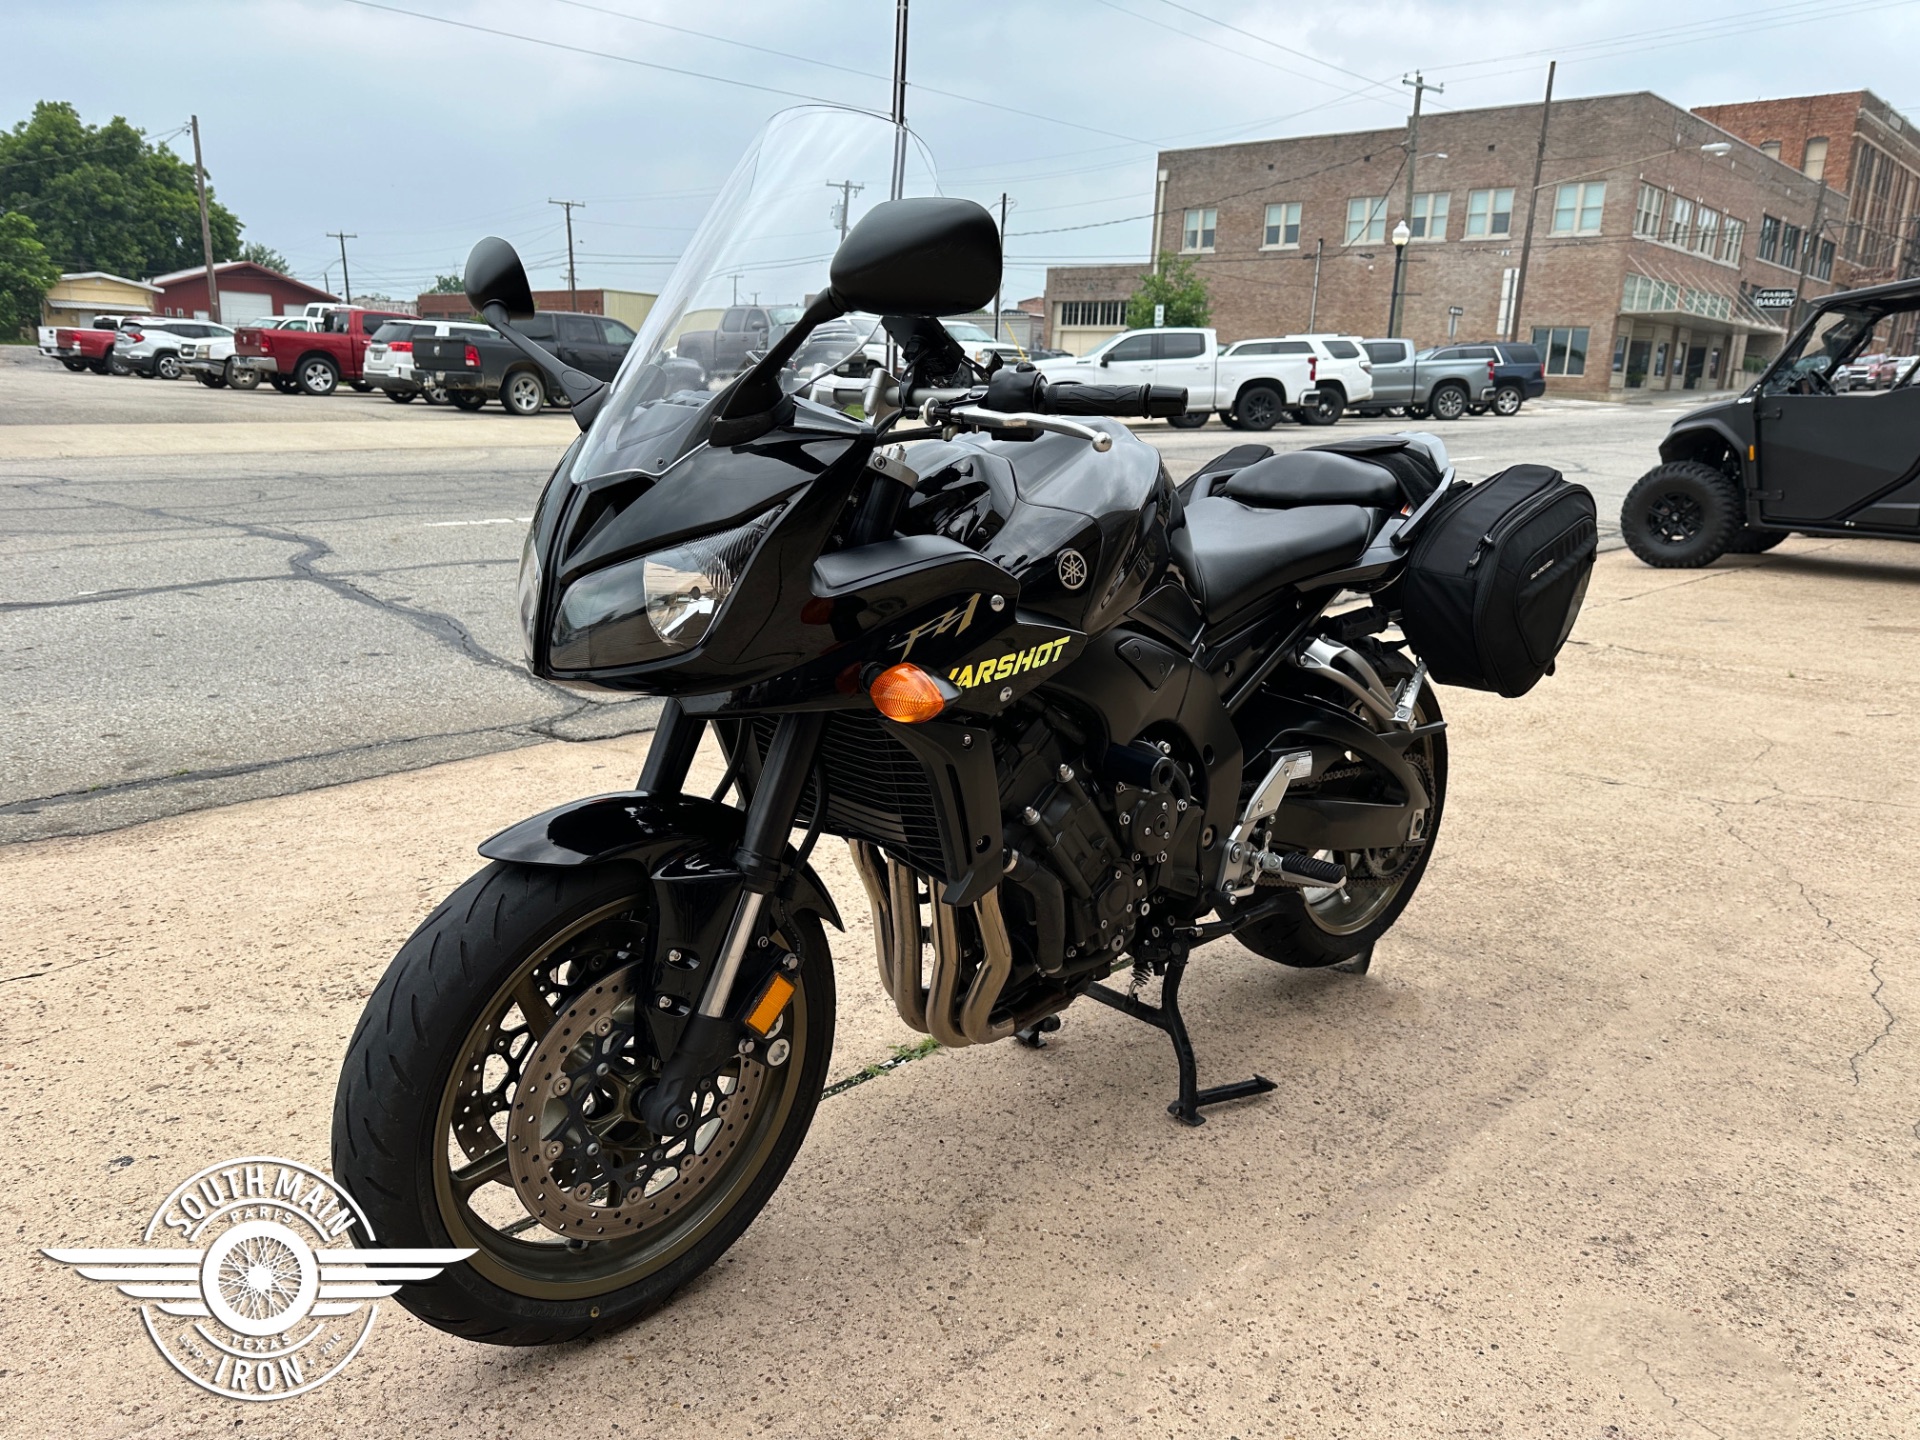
(1166, 1016)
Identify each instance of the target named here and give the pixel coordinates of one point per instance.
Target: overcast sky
(419, 135)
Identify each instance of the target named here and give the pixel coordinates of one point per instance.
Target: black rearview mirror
(495, 276)
(920, 257)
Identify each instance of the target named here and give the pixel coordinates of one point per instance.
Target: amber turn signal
(908, 694)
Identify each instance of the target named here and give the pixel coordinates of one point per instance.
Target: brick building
(1647, 247)
(247, 292)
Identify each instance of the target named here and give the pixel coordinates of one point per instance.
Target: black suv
(1518, 372)
(1791, 453)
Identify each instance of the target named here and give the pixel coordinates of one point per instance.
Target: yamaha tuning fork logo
(247, 1282)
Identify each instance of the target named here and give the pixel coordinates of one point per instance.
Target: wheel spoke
(489, 1167)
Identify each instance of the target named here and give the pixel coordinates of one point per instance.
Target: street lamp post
(1401, 235)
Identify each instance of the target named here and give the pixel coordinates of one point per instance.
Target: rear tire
(1258, 407)
(75, 365)
(166, 365)
(317, 375)
(523, 393)
(1681, 516)
(1507, 401)
(1193, 420)
(1231, 420)
(1448, 402)
(210, 380)
(1317, 930)
(468, 400)
(402, 397)
(1331, 406)
(284, 384)
(1416, 412)
(408, 1119)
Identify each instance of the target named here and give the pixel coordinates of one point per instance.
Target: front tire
(402, 397)
(1449, 402)
(1331, 405)
(462, 1029)
(1681, 516)
(523, 393)
(166, 365)
(1258, 407)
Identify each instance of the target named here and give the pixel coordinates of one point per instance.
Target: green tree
(1175, 285)
(27, 272)
(104, 197)
(448, 285)
(254, 253)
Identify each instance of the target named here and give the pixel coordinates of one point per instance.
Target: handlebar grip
(1115, 400)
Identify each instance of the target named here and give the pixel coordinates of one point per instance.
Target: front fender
(681, 832)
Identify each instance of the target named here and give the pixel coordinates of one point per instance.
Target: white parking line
(506, 520)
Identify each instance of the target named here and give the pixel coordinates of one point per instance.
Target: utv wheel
(1749, 541)
(1336, 929)
(1332, 404)
(1193, 420)
(451, 1127)
(317, 375)
(523, 393)
(467, 399)
(1507, 400)
(1449, 402)
(1681, 516)
(1259, 407)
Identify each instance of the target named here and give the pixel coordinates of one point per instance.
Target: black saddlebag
(1495, 579)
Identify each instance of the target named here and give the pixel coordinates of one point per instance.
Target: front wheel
(1326, 410)
(1449, 402)
(1258, 407)
(523, 393)
(488, 1102)
(1192, 420)
(1681, 516)
(166, 365)
(1319, 928)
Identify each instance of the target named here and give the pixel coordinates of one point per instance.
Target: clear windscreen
(759, 256)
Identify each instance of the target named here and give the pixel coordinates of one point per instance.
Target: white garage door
(237, 307)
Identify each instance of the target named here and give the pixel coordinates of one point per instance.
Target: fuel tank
(1084, 533)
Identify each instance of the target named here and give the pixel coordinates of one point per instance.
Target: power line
(1285, 49)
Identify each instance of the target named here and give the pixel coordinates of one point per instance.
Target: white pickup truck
(1249, 392)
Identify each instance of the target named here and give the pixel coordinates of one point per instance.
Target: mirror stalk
(584, 393)
(754, 406)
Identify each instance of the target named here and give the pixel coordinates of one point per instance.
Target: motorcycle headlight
(657, 604)
(530, 591)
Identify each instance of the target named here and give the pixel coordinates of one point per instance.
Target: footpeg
(1303, 870)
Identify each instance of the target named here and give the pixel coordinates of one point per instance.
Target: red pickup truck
(312, 362)
(89, 349)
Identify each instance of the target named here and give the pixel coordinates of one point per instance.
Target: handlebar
(1117, 400)
(1014, 390)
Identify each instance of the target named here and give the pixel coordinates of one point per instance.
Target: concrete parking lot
(211, 596)
(1618, 1138)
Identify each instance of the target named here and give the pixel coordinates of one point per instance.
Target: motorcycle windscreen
(759, 256)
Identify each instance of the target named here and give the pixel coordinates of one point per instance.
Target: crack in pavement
(1672, 1400)
(108, 597)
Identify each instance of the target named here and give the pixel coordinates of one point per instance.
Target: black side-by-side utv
(1792, 453)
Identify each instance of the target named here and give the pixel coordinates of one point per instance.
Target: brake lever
(1017, 420)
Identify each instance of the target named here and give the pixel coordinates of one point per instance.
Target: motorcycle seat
(1313, 477)
(1237, 556)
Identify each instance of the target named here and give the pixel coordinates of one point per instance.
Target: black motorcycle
(1073, 720)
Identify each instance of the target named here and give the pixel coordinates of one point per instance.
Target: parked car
(743, 330)
(91, 347)
(152, 349)
(1519, 373)
(389, 362)
(1251, 385)
(1790, 454)
(1428, 382)
(1856, 374)
(476, 368)
(1345, 368)
(1890, 371)
(312, 362)
(210, 361)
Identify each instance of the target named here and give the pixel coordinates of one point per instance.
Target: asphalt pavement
(209, 596)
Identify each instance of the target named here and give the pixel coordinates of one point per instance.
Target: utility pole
(573, 297)
(1533, 205)
(1313, 305)
(1812, 243)
(736, 288)
(206, 232)
(346, 277)
(1003, 268)
(1420, 85)
(847, 191)
(899, 99)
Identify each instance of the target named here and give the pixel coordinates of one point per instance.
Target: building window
(1565, 348)
(1823, 262)
(1198, 235)
(1792, 237)
(1428, 218)
(1366, 219)
(1770, 149)
(1815, 165)
(1489, 214)
(1576, 208)
(1769, 238)
(1283, 227)
(1680, 223)
(1707, 233)
(1619, 354)
(1093, 312)
(1732, 236)
(1646, 216)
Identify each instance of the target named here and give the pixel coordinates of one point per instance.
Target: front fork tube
(676, 736)
(710, 1036)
